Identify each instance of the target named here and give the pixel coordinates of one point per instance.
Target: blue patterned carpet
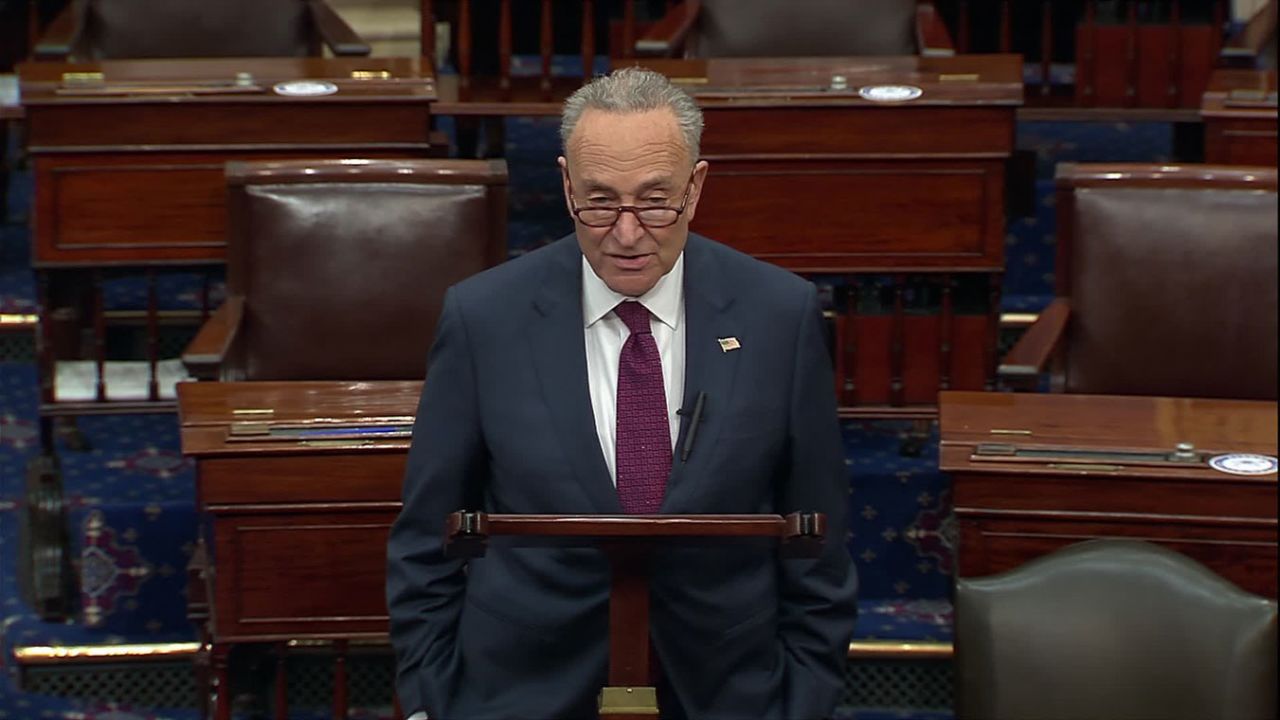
(132, 495)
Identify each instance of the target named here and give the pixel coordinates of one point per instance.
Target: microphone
(694, 421)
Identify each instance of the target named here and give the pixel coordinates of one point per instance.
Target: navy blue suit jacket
(506, 424)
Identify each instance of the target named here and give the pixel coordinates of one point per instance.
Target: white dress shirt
(605, 333)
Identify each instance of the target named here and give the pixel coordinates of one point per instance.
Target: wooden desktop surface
(128, 163)
(1240, 117)
(296, 530)
(1011, 509)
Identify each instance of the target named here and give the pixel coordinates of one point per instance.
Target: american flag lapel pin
(729, 343)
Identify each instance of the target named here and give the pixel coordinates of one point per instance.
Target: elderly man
(554, 387)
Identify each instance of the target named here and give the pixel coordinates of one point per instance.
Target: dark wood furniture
(368, 247)
(128, 154)
(128, 157)
(1166, 284)
(1239, 112)
(627, 541)
(294, 528)
(128, 164)
(1033, 472)
(906, 219)
(117, 29)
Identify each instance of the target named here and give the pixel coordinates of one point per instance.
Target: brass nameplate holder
(958, 77)
(629, 701)
(1069, 458)
(1251, 97)
(95, 84)
(323, 433)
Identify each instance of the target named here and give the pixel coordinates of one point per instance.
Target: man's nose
(628, 229)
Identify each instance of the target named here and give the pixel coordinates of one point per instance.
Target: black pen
(693, 426)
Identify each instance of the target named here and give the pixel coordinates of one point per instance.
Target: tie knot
(635, 315)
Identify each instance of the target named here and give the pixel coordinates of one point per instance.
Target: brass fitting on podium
(628, 701)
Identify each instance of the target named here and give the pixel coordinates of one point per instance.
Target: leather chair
(1166, 285)
(90, 30)
(336, 270)
(1113, 629)
(783, 28)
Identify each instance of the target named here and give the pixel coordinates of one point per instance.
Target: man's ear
(700, 170)
(564, 181)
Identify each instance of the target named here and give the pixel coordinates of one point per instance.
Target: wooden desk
(1239, 111)
(826, 183)
(294, 532)
(1012, 509)
(820, 180)
(128, 165)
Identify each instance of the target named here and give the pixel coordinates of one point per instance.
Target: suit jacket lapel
(708, 369)
(560, 357)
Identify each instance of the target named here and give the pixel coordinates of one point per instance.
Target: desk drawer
(299, 574)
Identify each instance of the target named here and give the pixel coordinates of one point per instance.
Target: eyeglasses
(649, 216)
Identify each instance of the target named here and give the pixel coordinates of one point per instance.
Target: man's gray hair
(633, 90)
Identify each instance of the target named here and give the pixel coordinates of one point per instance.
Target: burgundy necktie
(643, 439)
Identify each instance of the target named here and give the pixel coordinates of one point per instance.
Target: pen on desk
(693, 426)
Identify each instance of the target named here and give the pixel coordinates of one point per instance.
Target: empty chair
(1113, 629)
(1166, 284)
(114, 29)
(336, 270)
(780, 28)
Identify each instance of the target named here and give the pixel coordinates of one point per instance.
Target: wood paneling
(300, 574)
(1010, 510)
(129, 169)
(857, 215)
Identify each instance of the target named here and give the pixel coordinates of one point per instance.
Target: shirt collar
(663, 299)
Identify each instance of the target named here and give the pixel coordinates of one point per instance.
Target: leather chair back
(1113, 629)
(201, 28)
(1171, 275)
(343, 266)
(787, 28)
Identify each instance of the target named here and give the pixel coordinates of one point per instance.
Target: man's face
(633, 159)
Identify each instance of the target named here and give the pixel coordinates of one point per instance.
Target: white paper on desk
(76, 380)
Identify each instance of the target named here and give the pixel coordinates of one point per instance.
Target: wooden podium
(626, 540)
(1033, 472)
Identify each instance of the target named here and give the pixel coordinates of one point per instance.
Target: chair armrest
(340, 38)
(1029, 356)
(209, 350)
(932, 37)
(667, 36)
(1243, 47)
(63, 33)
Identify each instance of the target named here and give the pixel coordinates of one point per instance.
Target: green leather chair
(1113, 629)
